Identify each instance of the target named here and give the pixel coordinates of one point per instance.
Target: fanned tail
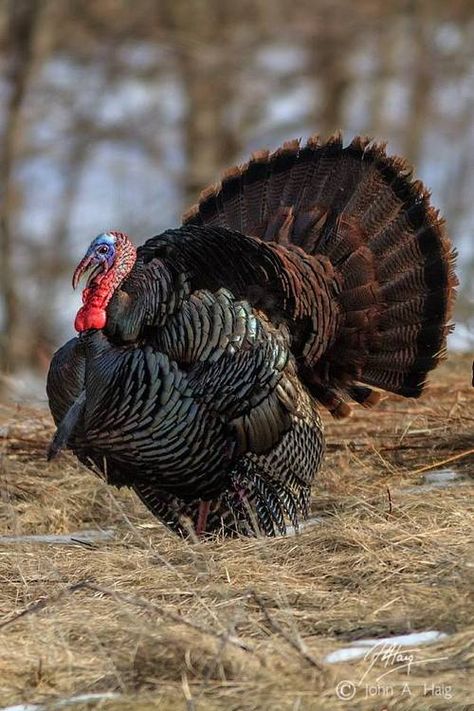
(394, 282)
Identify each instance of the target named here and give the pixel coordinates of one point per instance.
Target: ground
(247, 624)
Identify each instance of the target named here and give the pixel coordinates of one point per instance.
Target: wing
(66, 378)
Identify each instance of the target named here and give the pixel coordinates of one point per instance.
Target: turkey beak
(83, 266)
(89, 265)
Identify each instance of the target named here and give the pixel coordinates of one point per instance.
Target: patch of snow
(291, 531)
(361, 647)
(81, 698)
(438, 479)
(64, 539)
(441, 476)
(346, 654)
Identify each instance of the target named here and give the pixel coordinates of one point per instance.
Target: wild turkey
(306, 276)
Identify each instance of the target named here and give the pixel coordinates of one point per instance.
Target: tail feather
(393, 279)
(328, 156)
(390, 340)
(255, 182)
(233, 199)
(280, 178)
(406, 312)
(300, 175)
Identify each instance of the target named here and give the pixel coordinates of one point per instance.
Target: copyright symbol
(346, 690)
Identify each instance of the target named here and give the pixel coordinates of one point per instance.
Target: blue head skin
(98, 259)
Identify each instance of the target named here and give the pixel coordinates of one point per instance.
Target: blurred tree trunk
(22, 17)
(385, 46)
(422, 84)
(328, 67)
(209, 78)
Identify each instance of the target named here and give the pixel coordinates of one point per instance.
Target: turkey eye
(103, 250)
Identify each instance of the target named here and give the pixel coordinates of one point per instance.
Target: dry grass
(246, 624)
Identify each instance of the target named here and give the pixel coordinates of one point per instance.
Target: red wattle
(90, 317)
(95, 299)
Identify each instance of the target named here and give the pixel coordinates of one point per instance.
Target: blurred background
(115, 114)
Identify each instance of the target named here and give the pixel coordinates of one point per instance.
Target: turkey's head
(107, 262)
